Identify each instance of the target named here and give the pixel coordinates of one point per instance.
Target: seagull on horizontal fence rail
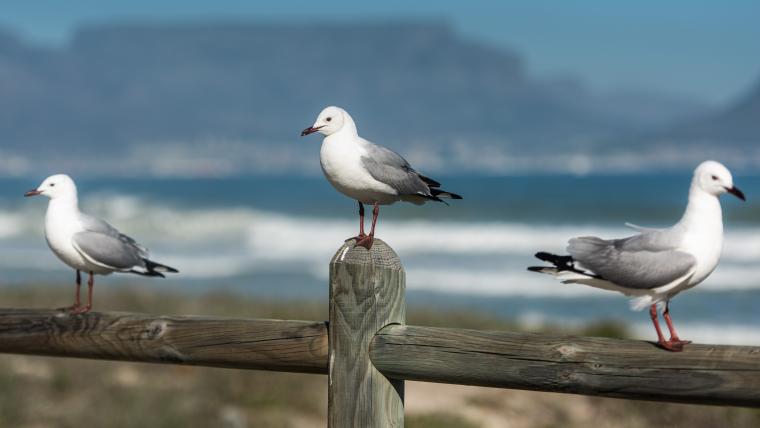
(87, 243)
(656, 264)
(369, 173)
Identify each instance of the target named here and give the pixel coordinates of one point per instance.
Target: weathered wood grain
(293, 346)
(707, 374)
(366, 294)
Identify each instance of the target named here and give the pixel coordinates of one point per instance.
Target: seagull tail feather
(562, 265)
(429, 181)
(444, 194)
(154, 269)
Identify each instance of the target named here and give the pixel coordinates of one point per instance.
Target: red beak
(736, 192)
(34, 192)
(310, 130)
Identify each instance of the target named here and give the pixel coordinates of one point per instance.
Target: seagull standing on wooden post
(366, 172)
(89, 244)
(656, 264)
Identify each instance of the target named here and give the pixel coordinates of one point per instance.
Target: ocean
(274, 236)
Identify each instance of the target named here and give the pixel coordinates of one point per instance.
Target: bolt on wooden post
(367, 293)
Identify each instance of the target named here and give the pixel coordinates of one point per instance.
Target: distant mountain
(137, 90)
(737, 124)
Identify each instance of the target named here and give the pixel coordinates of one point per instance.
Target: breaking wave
(486, 258)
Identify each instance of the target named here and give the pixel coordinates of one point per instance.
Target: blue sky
(704, 49)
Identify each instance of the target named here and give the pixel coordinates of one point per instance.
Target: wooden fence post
(367, 293)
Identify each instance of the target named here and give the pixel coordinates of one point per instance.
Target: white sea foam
(497, 282)
(487, 258)
(697, 332)
(10, 224)
(702, 332)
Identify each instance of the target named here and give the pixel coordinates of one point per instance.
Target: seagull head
(55, 186)
(715, 179)
(331, 120)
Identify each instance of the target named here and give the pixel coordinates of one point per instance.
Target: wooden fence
(367, 351)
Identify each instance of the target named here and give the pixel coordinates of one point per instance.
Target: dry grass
(53, 392)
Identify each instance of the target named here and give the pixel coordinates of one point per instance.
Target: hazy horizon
(675, 47)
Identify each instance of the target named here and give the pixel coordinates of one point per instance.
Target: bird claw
(365, 241)
(80, 310)
(674, 345)
(71, 308)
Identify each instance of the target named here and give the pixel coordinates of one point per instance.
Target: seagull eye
(52, 184)
(328, 119)
(715, 178)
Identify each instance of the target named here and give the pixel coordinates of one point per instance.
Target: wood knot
(567, 351)
(154, 330)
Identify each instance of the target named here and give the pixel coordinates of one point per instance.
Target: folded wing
(645, 261)
(389, 167)
(117, 252)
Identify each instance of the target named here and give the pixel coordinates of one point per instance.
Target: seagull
(366, 172)
(656, 264)
(89, 244)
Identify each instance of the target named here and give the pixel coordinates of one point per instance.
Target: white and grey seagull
(656, 264)
(366, 172)
(89, 244)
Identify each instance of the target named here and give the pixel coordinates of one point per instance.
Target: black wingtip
(561, 262)
(429, 181)
(444, 194)
(156, 269)
(547, 257)
(147, 273)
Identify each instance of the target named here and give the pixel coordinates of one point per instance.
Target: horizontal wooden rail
(705, 374)
(292, 346)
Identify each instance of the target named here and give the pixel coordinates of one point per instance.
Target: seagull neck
(64, 203)
(703, 210)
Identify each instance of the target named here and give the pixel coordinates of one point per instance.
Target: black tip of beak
(736, 192)
(310, 130)
(34, 192)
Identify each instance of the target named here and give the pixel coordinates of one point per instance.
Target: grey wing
(389, 167)
(109, 251)
(643, 261)
(94, 224)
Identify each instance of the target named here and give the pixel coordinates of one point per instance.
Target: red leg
(366, 242)
(656, 322)
(666, 344)
(88, 306)
(77, 302)
(361, 222)
(673, 335)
